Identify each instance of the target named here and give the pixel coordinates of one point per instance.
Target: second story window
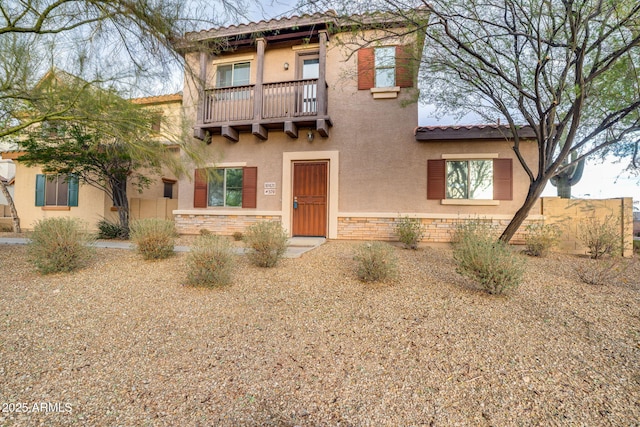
(385, 66)
(233, 75)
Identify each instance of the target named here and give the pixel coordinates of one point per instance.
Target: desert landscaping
(124, 342)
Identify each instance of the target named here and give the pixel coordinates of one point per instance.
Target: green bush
(59, 245)
(210, 261)
(376, 262)
(410, 231)
(237, 236)
(267, 242)
(154, 238)
(636, 246)
(540, 238)
(111, 230)
(601, 237)
(486, 260)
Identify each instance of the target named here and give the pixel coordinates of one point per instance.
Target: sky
(600, 180)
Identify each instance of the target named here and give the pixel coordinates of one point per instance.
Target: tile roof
(479, 131)
(158, 99)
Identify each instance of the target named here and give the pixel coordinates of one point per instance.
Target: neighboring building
(312, 126)
(38, 196)
(7, 175)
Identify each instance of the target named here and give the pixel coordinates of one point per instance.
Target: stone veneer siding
(218, 224)
(437, 230)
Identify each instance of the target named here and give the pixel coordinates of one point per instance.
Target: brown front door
(310, 199)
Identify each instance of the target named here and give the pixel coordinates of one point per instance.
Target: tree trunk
(535, 190)
(14, 213)
(121, 201)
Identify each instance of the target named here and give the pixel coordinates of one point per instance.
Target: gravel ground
(123, 342)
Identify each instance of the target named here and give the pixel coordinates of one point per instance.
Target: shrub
(410, 231)
(210, 261)
(111, 230)
(486, 260)
(205, 232)
(636, 246)
(601, 237)
(59, 245)
(376, 262)
(238, 236)
(267, 242)
(154, 238)
(601, 272)
(541, 238)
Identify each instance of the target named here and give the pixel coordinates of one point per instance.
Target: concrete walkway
(297, 245)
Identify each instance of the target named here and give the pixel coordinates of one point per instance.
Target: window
(472, 179)
(225, 187)
(385, 66)
(233, 75)
(56, 190)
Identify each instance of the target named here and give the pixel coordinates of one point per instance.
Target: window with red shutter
(365, 68)
(470, 179)
(200, 189)
(404, 66)
(249, 187)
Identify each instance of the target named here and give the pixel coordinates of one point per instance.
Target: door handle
(295, 203)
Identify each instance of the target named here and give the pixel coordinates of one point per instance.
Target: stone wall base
(437, 230)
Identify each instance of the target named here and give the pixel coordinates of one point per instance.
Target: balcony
(284, 106)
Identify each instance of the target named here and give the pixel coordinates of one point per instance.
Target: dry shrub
(59, 245)
(154, 237)
(601, 237)
(410, 231)
(111, 230)
(601, 271)
(267, 243)
(210, 261)
(540, 238)
(485, 260)
(376, 262)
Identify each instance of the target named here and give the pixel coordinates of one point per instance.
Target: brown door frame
(326, 162)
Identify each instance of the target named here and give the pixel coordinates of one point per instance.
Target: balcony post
(201, 84)
(322, 77)
(257, 105)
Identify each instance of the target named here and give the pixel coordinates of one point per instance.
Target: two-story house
(313, 124)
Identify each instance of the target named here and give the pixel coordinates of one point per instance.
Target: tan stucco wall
(570, 215)
(93, 204)
(382, 168)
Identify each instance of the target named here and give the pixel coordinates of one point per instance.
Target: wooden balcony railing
(284, 100)
(228, 104)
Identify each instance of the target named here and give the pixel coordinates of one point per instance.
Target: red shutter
(249, 187)
(436, 177)
(404, 66)
(502, 179)
(200, 189)
(366, 68)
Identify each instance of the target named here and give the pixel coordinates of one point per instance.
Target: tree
(106, 153)
(566, 68)
(120, 44)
